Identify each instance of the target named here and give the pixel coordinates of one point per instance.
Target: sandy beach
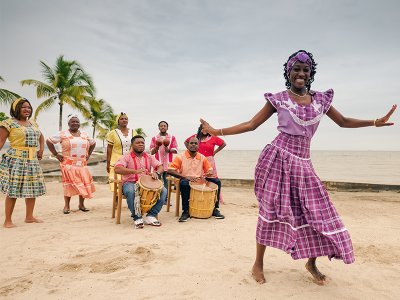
(88, 256)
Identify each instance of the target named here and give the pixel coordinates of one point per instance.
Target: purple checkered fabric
(295, 212)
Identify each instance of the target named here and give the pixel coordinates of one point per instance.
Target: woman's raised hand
(380, 122)
(207, 128)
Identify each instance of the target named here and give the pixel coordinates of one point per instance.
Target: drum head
(148, 182)
(203, 186)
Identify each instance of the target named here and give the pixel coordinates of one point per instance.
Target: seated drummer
(191, 166)
(131, 166)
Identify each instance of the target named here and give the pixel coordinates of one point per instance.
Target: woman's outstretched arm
(346, 122)
(263, 115)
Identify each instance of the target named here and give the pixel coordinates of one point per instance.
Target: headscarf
(15, 103)
(72, 116)
(300, 56)
(119, 116)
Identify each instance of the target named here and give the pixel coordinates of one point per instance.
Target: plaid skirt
(20, 175)
(295, 212)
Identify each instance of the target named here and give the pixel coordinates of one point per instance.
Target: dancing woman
(295, 212)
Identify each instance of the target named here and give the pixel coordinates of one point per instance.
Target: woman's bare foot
(311, 267)
(258, 274)
(9, 224)
(33, 220)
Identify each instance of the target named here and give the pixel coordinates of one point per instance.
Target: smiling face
(25, 111)
(163, 127)
(299, 75)
(74, 124)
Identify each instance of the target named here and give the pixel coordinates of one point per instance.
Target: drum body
(203, 196)
(149, 191)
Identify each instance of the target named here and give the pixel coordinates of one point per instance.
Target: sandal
(66, 211)
(151, 220)
(139, 224)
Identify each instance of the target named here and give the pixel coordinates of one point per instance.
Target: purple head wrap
(300, 56)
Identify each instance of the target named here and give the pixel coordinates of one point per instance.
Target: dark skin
(163, 127)
(73, 125)
(123, 126)
(192, 146)
(298, 76)
(138, 147)
(23, 120)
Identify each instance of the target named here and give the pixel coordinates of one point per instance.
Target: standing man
(164, 145)
(133, 165)
(191, 166)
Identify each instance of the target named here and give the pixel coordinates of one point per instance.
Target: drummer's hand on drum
(154, 175)
(192, 179)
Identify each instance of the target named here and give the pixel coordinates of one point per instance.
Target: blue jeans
(129, 191)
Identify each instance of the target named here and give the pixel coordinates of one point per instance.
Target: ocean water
(346, 166)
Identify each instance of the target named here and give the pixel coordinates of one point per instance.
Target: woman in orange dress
(77, 147)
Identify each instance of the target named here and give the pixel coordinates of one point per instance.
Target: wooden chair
(117, 197)
(173, 187)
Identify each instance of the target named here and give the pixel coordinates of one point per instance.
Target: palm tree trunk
(60, 117)
(94, 130)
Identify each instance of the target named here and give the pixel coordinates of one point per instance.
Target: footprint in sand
(17, 287)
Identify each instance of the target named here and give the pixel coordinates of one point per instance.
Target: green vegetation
(3, 116)
(66, 83)
(6, 96)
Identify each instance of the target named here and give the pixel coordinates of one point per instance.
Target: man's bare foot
(258, 274)
(33, 220)
(9, 225)
(319, 278)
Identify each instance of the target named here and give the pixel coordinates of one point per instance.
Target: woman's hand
(40, 154)
(207, 128)
(380, 122)
(60, 157)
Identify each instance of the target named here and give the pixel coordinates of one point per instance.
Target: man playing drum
(132, 166)
(192, 166)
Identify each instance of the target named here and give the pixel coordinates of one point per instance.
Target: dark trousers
(185, 192)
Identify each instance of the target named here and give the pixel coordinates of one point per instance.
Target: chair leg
(169, 195)
(115, 199)
(177, 199)
(119, 204)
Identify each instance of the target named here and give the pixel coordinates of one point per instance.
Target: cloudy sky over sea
(182, 60)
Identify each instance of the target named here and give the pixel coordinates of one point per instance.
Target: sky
(178, 60)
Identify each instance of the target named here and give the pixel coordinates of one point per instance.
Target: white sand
(88, 256)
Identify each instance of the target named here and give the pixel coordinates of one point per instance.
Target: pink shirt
(161, 155)
(146, 162)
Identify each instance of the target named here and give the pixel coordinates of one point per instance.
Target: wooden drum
(149, 191)
(203, 196)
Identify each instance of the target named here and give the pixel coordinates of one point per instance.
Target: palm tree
(97, 111)
(66, 83)
(6, 96)
(140, 131)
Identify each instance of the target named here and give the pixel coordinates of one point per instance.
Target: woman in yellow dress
(118, 143)
(20, 172)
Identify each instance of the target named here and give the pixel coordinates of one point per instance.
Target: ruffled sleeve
(327, 100)
(271, 99)
(110, 138)
(55, 139)
(6, 124)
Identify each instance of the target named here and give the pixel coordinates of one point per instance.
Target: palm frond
(7, 97)
(46, 104)
(42, 89)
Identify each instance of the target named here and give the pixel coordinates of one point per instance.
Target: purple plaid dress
(296, 214)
